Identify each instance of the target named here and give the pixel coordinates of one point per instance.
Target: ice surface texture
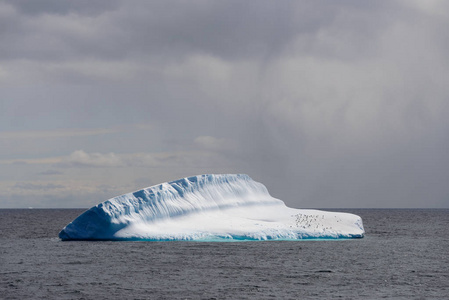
(208, 208)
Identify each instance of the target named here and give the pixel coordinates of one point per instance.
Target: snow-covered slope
(207, 207)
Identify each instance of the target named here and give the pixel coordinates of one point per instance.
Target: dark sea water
(405, 255)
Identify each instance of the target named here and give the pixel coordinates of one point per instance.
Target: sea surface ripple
(403, 256)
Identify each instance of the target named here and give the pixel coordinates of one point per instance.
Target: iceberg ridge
(207, 207)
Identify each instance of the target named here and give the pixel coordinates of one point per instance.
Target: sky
(329, 104)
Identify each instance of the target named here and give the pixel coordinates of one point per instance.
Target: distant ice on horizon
(225, 207)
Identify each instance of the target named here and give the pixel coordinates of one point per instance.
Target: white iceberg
(207, 208)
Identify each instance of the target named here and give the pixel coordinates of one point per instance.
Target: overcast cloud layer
(328, 103)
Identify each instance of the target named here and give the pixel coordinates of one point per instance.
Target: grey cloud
(216, 144)
(51, 172)
(89, 7)
(40, 186)
(55, 133)
(143, 182)
(171, 30)
(49, 37)
(19, 162)
(326, 103)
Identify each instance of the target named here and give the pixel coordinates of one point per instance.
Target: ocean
(404, 255)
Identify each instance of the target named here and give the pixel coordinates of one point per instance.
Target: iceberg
(225, 207)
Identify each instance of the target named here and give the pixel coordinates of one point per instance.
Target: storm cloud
(329, 104)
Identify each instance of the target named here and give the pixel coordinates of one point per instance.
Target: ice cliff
(207, 207)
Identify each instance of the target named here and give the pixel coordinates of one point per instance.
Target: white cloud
(435, 8)
(205, 148)
(81, 158)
